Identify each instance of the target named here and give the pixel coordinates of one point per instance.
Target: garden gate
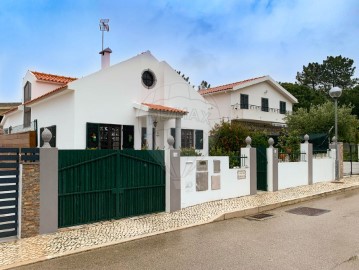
(261, 168)
(97, 185)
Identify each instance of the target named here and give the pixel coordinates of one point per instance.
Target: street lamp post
(335, 93)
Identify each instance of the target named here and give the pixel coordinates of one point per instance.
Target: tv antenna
(104, 27)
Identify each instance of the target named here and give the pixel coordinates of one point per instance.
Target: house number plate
(241, 174)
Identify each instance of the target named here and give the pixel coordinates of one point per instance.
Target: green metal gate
(261, 168)
(97, 185)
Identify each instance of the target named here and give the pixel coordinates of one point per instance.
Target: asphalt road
(284, 241)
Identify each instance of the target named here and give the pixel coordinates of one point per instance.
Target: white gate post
(307, 149)
(272, 166)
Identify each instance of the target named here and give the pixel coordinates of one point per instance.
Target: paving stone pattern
(80, 238)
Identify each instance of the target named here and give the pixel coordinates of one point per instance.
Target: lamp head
(335, 92)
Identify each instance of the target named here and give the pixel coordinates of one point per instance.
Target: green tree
(338, 71)
(311, 75)
(228, 136)
(334, 71)
(305, 95)
(289, 144)
(183, 76)
(320, 119)
(204, 85)
(350, 97)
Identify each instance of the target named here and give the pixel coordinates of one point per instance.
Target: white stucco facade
(115, 96)
(226, 102)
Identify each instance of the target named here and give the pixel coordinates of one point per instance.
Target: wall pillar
(272, 166)
(149, 133)
(307, 149)
(48, 190)
(333, 156)
(178, 134)
(251, 154)
(173, 177)
(341, 160)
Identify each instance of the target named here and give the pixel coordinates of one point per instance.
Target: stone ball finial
(334, 139)
(270, 142)
(170, 141)
(46, 136)
(248, 142)
(306, 138)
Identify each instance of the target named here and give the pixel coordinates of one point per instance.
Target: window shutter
(244, 101)
(282, 107)
(128, 137)
(199, 139)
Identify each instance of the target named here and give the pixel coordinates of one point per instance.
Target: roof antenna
(104, 27)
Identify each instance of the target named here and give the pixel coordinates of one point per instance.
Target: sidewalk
(86, 237)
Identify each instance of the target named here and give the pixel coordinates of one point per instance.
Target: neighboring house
(261, 103)
(4, 107)
(137, 103)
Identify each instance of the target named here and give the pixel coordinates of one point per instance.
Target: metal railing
(238, 161)
(239, 106)
(21, 128)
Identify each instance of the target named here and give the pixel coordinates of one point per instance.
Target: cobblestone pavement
(81, 238)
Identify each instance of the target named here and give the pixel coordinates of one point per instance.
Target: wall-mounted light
(155, 123)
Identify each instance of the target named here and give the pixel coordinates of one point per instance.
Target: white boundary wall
(232, 184)
(292, 174)
(323, 169)
(355, 168)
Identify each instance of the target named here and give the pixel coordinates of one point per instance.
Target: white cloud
(218, 41)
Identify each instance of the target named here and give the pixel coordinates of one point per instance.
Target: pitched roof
(48, 94)
(226, 87)
(162, 108)
(8, 107)
(52, 78)
(11, 110)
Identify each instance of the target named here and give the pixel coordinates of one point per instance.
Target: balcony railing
(21, 128)
(239, 106)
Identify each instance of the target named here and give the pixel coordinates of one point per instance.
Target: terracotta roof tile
(53, 92)
(52, 78)
(162, 108)
(225, 87)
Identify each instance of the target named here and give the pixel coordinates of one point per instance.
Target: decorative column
(178, 134)
(149, 133)
(252, 161)
(272, 166)
(306, 155)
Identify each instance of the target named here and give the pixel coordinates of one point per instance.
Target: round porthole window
(148, 79)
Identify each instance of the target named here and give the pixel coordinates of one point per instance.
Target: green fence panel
(96, 185)
(261, 168)
(142, 184)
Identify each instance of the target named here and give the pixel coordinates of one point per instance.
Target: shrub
(189, 152)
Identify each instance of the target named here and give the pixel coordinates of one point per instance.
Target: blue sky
(218, 41)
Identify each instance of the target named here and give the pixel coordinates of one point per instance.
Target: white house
(133, 104)
(259, 102)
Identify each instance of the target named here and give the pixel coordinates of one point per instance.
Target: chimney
(105, 58)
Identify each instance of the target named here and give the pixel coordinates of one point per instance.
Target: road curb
(268, 207)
